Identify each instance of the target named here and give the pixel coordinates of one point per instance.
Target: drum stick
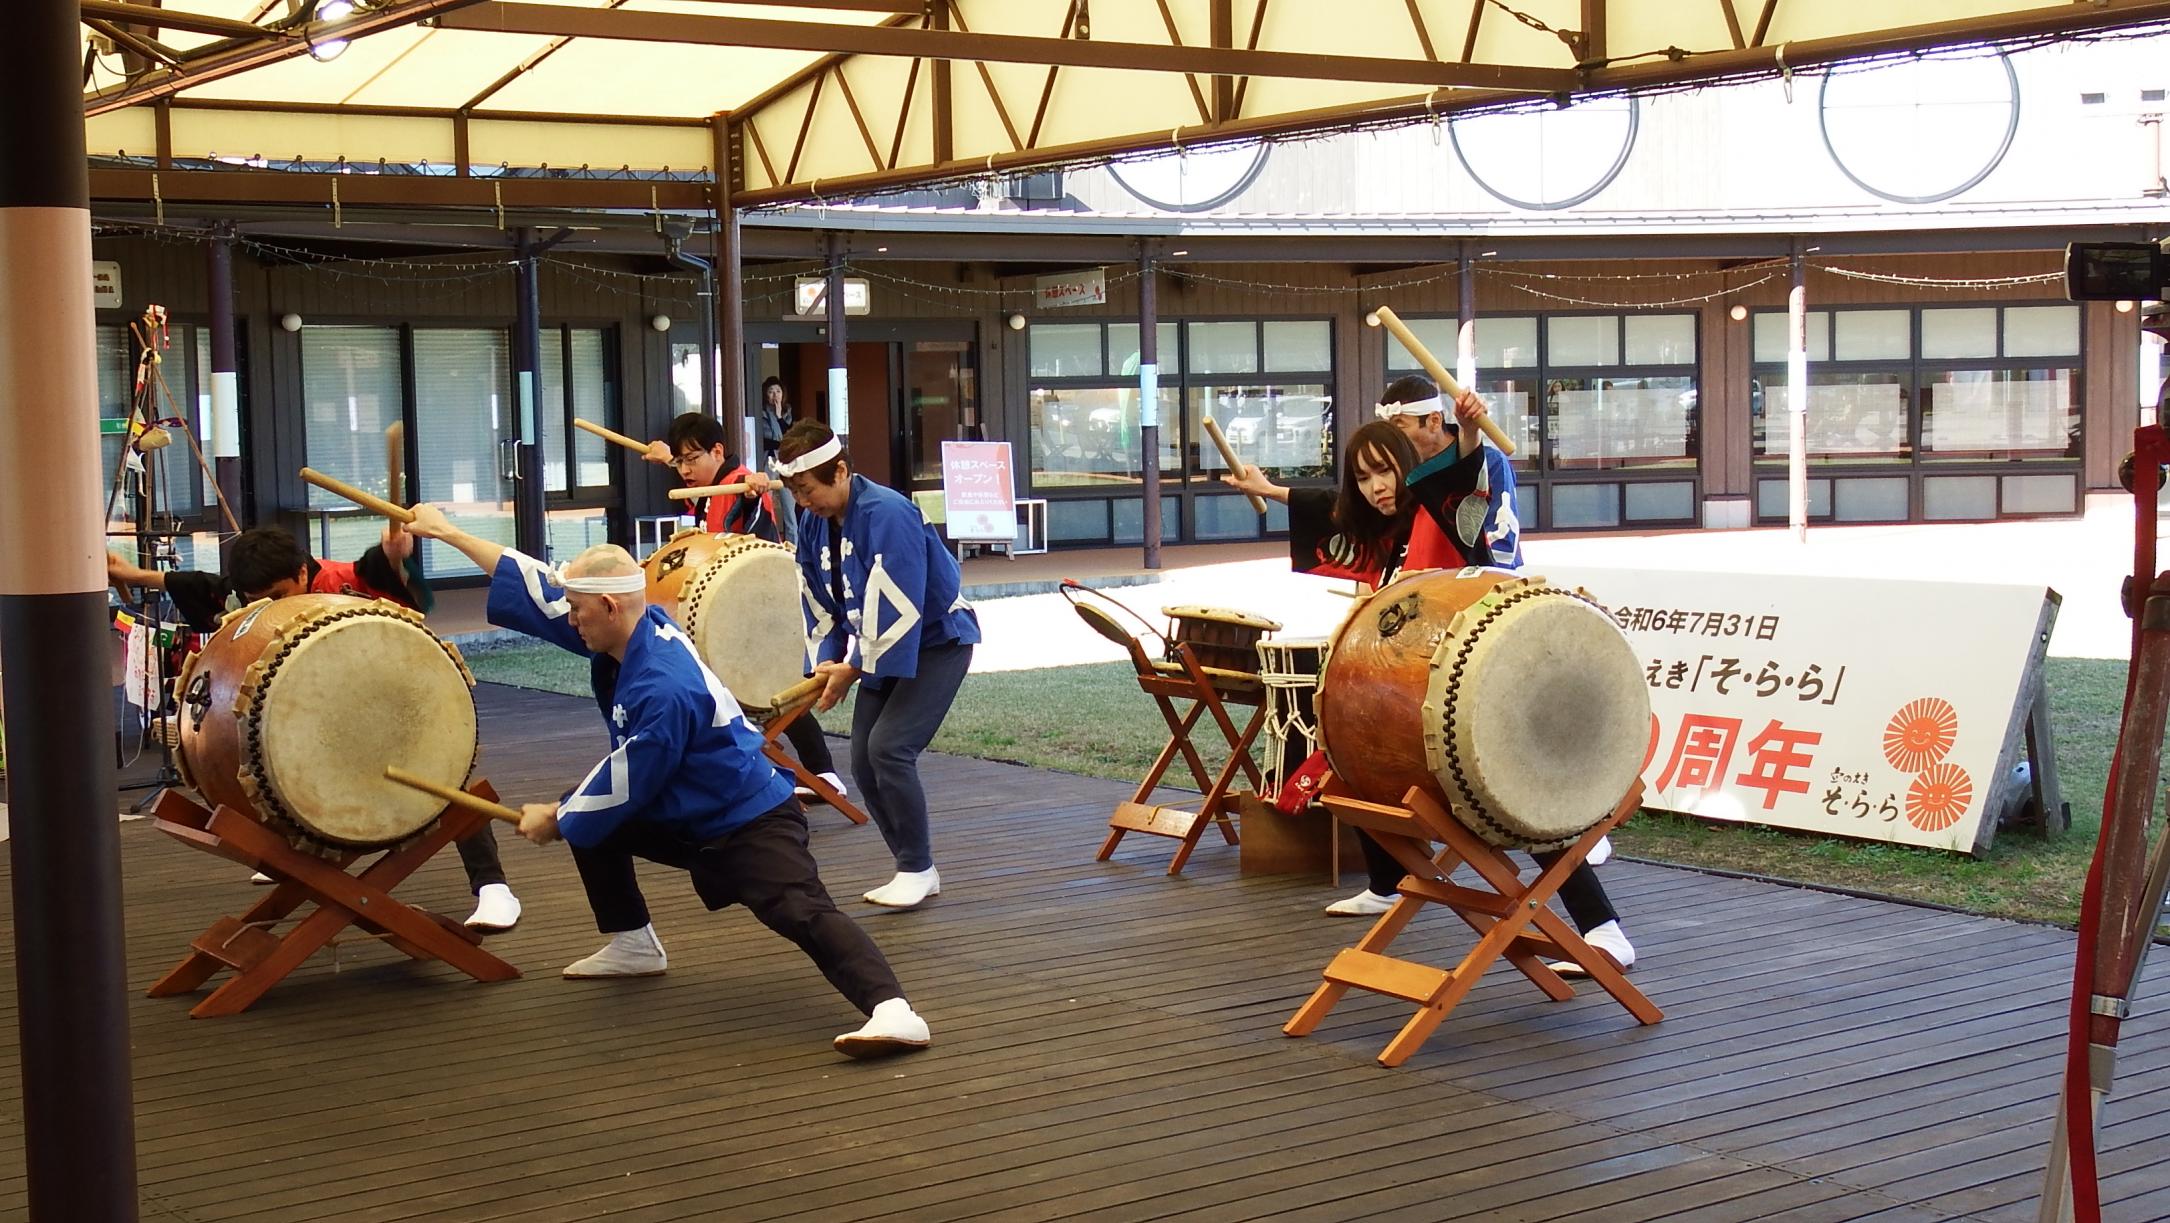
(395, 461)
(1236, 466)
(799, 692)
(458, 798)
(610, 435)
(708, 490)
(1447, 385)
(368, 501)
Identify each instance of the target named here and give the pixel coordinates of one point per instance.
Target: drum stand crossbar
(772, 746)
(261, 959)
(1513, 920)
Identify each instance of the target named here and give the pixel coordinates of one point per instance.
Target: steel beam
(498, 16)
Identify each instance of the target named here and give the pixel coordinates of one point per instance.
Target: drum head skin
(1536, 718)
(1518, 704)
(348, 698)
(742, 612)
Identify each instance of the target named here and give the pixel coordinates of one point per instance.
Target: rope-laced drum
(737, 597)
(294, 707)
(1288, 669)
(1519, 703)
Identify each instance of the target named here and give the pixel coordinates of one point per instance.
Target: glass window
(686, 378)
(2000, 414)
(1436, 334)
(1959, 498)
(1504, 343)
(1088, 436)
(1065, 350)
(1301, 347)
(1851, 416)
(350, 389)
(1585, 505)
(1583, 340)
(1222, 348)
(2042, 331)
(1882, 499)
(1512, 402)
(550, 408)
(462, 413)
(1870, 335)
(1622, 422)
(1123, 347)
(593, 399)
(1660, 339)
(1772, 345)
(1285, 429)
(1958, 333)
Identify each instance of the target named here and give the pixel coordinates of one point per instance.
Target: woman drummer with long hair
(1360, 531)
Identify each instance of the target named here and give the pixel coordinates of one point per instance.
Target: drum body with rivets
(1519, 704)
(1219, 637)
(671, 566)
(295, 706)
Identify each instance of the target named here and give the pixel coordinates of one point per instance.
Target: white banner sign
(105, 284)
(810, 295)
(1088, 288)
(1852, 707)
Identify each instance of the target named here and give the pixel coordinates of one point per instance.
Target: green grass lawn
(1093, 720)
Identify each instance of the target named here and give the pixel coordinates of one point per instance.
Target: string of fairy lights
(456, 274)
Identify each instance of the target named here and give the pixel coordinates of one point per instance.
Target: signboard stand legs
(2027, 731)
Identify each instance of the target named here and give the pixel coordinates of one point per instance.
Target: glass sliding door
(350, 381)
(463, 419)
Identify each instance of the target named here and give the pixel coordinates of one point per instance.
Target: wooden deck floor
(1107, 1047)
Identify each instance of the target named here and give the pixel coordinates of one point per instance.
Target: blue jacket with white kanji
(898, 592)
(682, 755)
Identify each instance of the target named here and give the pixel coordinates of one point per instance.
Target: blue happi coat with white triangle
(898, 590)
(682, 755)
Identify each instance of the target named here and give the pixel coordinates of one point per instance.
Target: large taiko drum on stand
(1519, 703)
(294, 707)
(737, 597)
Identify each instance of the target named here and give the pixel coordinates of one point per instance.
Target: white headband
(1421, 407)
(811, 459)
(610, 584)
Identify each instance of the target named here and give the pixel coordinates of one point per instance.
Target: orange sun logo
(1938, 797)
(1920, 734)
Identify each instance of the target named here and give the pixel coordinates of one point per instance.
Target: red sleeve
(344, 578)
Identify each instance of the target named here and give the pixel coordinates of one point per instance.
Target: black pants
(1581, 894)
(809, 744)
(478, 853)
(764, 866)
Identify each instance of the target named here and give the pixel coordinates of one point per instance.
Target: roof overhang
(634, 103)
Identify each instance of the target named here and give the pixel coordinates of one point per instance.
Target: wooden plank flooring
(1107, 1046)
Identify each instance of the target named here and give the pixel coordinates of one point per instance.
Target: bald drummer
(685, 784)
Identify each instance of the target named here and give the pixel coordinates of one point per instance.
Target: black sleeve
(1310, 525)
(199, 597)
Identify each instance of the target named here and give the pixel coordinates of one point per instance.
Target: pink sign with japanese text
(978, 499)
(1885, 710)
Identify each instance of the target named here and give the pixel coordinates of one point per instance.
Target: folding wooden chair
(1210, 690)
(1512, 920)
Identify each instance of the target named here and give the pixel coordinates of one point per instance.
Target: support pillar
(839, 380)
(1149, 402)
(1797, 396)
(55, 647)
(530, 527)
(223, 429)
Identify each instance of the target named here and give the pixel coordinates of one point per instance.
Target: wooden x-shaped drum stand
(1513, 919)
(259, 958)
(1210, 690)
